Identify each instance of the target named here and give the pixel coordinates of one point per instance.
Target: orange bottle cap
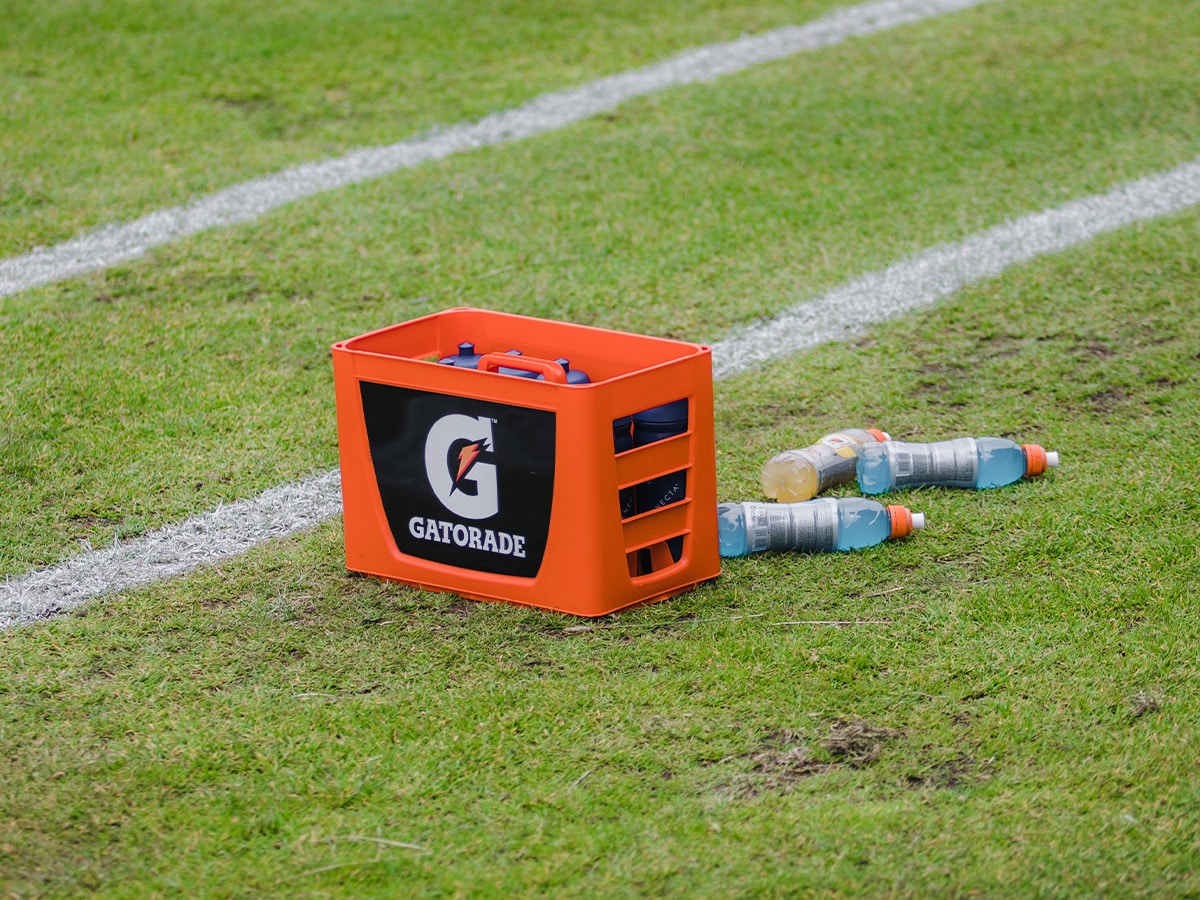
(902, 521)
(1035, 459)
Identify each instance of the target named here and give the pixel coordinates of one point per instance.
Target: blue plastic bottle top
(466, 358)
(985, 462)
(660, 422)
(826, 524)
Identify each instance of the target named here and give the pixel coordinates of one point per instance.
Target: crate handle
(547, 368)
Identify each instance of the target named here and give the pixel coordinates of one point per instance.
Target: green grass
(1028, 662)
(115, 109)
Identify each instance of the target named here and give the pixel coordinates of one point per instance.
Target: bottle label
(810, 526)
(841, 445)
(833, 459)
(946, 463)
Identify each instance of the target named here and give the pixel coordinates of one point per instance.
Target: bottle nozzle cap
(880, 436)
(904, 521)
(1037, 459)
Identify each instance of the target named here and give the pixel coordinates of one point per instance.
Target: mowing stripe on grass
(847, 310)
(251, 199)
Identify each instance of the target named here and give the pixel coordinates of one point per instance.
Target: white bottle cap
(1051, 459)
(918, 521)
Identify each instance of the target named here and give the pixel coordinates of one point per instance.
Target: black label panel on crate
(464, 482)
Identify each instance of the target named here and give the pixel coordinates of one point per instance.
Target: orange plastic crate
(505, 488)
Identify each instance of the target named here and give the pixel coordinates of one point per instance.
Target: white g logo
(447, 485)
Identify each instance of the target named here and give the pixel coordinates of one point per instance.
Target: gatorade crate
(499, 487)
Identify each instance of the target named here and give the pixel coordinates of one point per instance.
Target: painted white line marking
(249, 200)
(225, 531)
(940, 271)
(913, 283)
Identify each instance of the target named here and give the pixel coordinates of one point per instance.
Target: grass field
(1009, 706)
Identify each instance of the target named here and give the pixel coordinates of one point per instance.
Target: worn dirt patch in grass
(784, 758)
(1143, 702)
(948, 774)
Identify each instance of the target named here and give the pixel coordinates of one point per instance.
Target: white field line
(940, 271)
(223, 532)
(913, 283)
(251, 199)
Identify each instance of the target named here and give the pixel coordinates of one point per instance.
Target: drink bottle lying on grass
(985, 462)
(826, 524)
(795, 475)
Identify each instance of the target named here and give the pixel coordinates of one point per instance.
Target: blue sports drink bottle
(985, 462)
(813, 526)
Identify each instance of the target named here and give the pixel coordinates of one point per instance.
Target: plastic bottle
(622, 441)
(802, 474)
(985, 462)
(656, 424)
(829, 523)
(467, 358)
